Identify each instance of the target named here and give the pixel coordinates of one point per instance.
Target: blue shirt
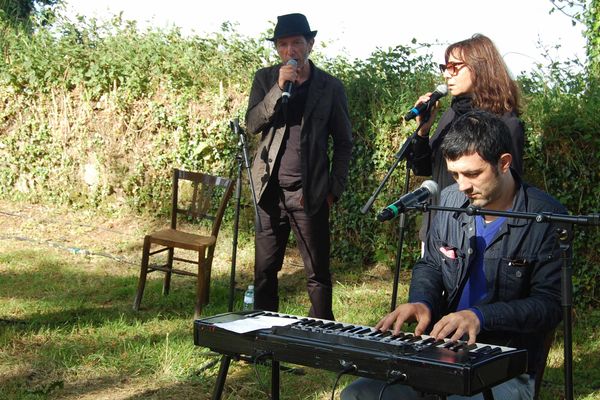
(476, 287)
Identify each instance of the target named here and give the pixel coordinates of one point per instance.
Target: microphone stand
(401, 154)
(242, 156)
(564, 239)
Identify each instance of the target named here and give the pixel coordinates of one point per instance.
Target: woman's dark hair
(478, 132)
(493, 88)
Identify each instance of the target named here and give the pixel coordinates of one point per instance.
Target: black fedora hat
(292, 25)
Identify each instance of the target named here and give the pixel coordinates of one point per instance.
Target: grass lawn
(67, 330)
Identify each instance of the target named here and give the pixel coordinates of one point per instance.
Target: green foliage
(130, 105)
(592, 21)
(586, 12)
(562, 154)
(19, 13)
(377, 88)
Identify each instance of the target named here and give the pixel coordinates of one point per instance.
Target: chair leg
(207, 272)
(208, 263)
(200, 284)
(206, 294)
(167, 281)
(143, 274)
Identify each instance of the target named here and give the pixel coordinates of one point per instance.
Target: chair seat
(181, 240)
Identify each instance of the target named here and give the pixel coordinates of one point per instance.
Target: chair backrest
(198, 196)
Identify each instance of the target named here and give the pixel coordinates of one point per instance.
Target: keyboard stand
(274, 380)
(224, 369)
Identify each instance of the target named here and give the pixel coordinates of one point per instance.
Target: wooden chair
(207, 198)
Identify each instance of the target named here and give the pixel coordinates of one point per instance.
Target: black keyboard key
(355, 329)
(458, 346)
(414, 339)
(484, 349)
(347, 328)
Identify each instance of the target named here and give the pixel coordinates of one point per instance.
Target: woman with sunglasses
(477, 78)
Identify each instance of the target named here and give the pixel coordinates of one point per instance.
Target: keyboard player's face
(483, 183)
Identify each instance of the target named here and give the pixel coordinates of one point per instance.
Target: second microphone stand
(402, 154)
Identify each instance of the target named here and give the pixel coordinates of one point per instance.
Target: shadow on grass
(67, 329)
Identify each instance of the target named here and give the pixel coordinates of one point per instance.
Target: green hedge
(96, 114)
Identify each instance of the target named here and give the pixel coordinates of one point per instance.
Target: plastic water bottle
(249, 298)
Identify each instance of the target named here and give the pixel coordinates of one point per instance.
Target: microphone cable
(258, 379)
(398, 379)
(347, 369)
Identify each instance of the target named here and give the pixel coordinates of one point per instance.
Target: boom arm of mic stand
(400, 155)
(543, 217)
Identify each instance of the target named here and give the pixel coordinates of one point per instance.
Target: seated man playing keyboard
(482, 278)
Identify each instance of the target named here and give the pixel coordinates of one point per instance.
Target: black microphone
(440, 91)
(287, 87)
(428, 189)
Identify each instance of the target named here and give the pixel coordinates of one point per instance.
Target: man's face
(296, 47)
(478, 179)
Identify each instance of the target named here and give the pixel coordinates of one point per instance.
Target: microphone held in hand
(287, 88)
(422, 108)
(428, 189)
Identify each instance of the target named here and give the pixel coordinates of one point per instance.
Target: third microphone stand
(402, 154)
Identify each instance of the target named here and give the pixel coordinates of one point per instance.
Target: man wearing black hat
(296, 107)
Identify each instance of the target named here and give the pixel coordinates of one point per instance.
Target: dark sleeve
(263, 102)
(421, 156)
(421, 151)
(341, 132)
(517, 134)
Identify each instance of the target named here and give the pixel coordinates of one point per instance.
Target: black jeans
(280, 211)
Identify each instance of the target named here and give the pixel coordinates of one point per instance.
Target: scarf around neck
(462, 104)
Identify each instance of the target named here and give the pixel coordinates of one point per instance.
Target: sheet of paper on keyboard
(245, 325)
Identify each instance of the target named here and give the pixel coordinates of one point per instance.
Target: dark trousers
(279, 212)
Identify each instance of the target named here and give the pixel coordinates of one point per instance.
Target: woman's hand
(424, 130)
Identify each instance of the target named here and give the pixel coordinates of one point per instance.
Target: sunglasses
(451, 67)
